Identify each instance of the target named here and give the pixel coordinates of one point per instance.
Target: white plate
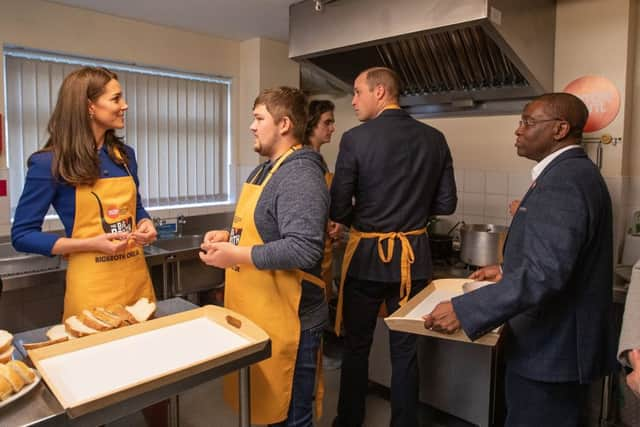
(26, 389)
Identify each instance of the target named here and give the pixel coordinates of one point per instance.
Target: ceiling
(230, 19)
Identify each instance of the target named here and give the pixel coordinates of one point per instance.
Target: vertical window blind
(177, 123)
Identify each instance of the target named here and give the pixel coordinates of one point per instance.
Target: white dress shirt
(542, 164)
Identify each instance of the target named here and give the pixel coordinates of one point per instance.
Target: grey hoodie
(291, 217)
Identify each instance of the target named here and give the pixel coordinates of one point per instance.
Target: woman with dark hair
(89, 176)
(320, 128)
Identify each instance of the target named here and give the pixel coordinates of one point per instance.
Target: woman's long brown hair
(75, 159)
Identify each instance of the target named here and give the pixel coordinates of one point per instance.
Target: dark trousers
(362, 300)
(535, 403)
(304, 380)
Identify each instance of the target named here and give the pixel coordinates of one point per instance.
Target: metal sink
(179, 244)
(14, 262)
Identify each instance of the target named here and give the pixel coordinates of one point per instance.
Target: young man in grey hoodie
(273, 255)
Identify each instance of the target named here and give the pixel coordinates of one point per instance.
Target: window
(178, 124)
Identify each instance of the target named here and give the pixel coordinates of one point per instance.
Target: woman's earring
(91, 115)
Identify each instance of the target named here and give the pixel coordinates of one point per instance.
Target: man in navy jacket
(554, 289)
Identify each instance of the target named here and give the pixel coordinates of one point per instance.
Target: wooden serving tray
(96, 371)
(408, 318)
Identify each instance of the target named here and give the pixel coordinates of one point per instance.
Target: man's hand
(145, 233)
(442, 319)
(633, 379)
(491, 273)
(513, 207)
(335, 230)
(214, 236)
(225, 254)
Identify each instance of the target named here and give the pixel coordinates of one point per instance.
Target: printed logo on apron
(122, 225)
(234, 238)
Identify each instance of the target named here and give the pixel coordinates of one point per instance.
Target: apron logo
(234, 236)
(124, 225)
(113, 212)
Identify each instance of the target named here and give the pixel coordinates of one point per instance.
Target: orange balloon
(601, 97)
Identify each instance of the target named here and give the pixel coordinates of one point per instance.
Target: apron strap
(407, 257)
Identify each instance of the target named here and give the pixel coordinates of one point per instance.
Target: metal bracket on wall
(604, 139)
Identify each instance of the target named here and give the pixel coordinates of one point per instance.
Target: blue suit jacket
(556, 289)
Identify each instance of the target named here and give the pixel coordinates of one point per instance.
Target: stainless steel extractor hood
(455, 57)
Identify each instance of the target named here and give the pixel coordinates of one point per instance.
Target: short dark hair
(317, 108)
(286, 102)
(567, 107)
(386, 77)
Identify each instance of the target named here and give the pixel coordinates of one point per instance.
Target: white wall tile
(495, 220)
(518, 184)
(632, 196)
(473, 219)
(474, 181)
(496, 205)
(473, 203)
(459, 176)
(497, 182)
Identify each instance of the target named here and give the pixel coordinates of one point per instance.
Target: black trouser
(535, 403)
(362, 300)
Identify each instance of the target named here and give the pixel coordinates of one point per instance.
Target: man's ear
(380, 92)
(285, 125)
(562, 129)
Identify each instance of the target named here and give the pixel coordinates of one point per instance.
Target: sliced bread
(103, 315)
(75, 327)
(93, 322)
(34, 345)
(27, 374)
(58, 332)
(12, 376)
(5, 389)
(7, 355)
(6, 339)
(119, 310)
(142, 310)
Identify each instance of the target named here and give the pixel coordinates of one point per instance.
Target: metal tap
(180, 222)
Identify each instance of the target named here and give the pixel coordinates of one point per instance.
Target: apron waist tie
(407, 258)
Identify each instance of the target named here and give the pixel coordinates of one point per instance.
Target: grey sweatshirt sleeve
(298, 203)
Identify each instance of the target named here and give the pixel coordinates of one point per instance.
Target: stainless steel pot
(481, 244)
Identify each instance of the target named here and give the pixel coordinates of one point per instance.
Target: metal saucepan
(481, 244)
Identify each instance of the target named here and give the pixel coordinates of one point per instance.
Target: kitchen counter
(39, 407)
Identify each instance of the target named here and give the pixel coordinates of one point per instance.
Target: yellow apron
(406, 259)
(327, 257)
(270, 298)
(97, 279)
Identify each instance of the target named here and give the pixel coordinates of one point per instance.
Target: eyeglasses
(529, 122)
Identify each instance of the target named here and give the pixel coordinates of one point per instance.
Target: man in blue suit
(554, 288)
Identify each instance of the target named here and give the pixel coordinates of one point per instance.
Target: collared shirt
(542, 164)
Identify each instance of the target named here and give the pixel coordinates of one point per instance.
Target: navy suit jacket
(399, 172)
(556, 290)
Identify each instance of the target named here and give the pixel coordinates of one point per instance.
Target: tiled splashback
(484, 196)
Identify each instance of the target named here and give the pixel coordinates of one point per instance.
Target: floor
(203, 406)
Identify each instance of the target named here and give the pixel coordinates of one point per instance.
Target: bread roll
(142, 310)
(28, 376)
(12, 376)
(7, 355)
(5, 388)
(6, 339)
(75, 327)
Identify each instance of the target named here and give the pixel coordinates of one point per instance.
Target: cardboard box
(93, 372)
(408, 318)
